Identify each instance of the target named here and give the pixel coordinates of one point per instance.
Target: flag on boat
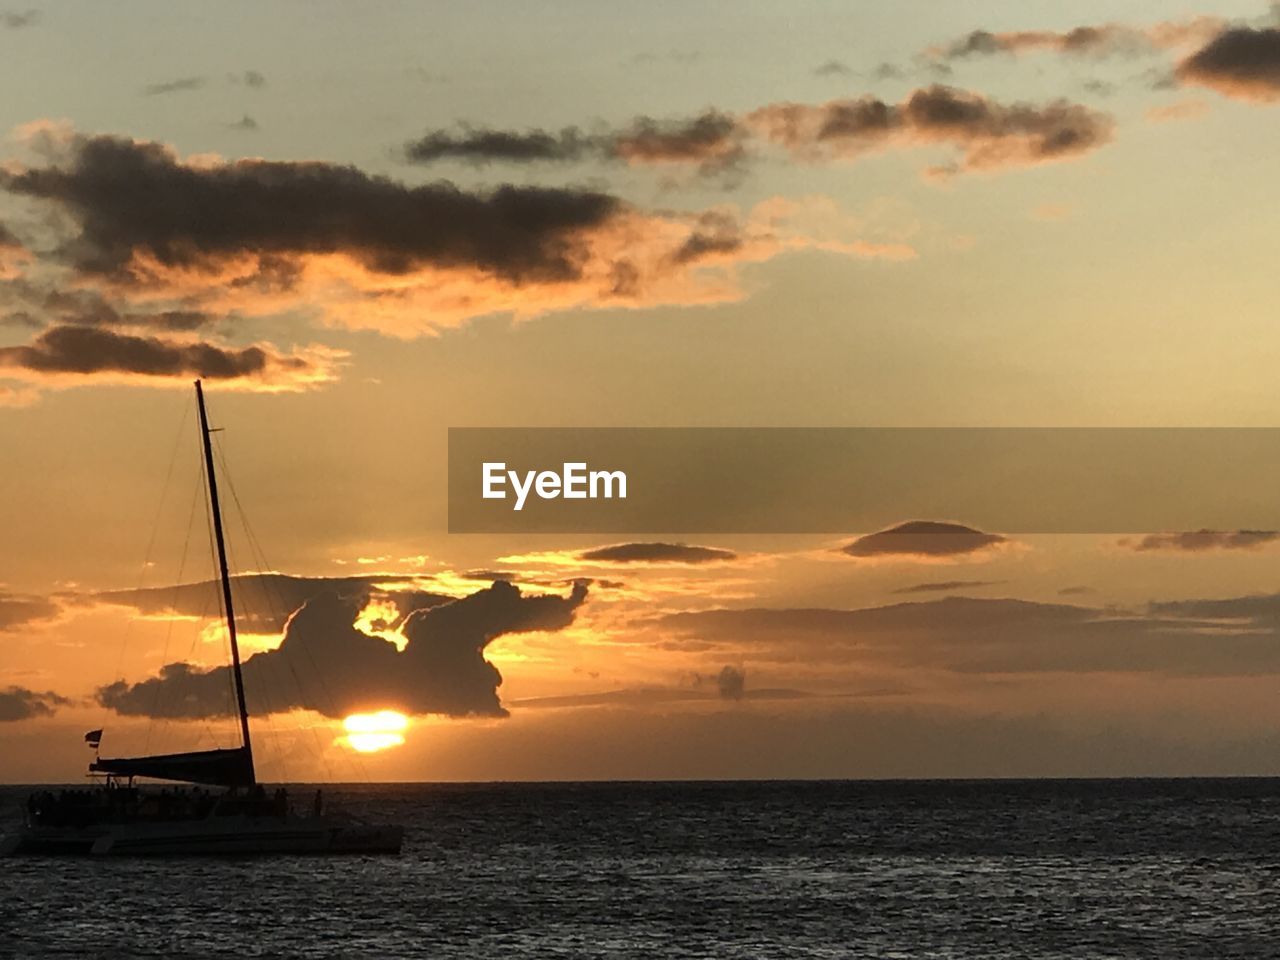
(93, 738)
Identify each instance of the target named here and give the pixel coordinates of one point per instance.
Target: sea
(1159, 869)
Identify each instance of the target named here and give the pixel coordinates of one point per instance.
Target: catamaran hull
(212, 837)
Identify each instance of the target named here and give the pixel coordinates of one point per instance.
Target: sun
(371, 732)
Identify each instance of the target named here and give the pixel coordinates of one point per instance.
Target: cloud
(16, 20)
(65, 354)
(711, 141)
(338, 669)
(657, 553)
(640, 697)
(1262, 609)
(19, 610)
(1194, 541)
(250, 78)
(246, 122)
(989, 135)
(731, 682)
(265, 601)
(482, 145)
(19, 703)
(173, 86)
(833, 68)
(87, 307)
(923, 539)
(995, 637)
(135, 201)
(1242, 63)
(254, 238)
(944, 586)
(1101, 40)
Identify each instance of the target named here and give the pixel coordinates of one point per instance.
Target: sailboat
(119, 818)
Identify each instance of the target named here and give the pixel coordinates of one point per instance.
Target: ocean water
(1159, 869)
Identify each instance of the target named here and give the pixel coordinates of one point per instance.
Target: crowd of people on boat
(114, 803)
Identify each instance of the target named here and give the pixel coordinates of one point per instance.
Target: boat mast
(226, 581)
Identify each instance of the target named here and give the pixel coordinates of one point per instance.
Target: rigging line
(151, 542)
(271, 594)
(270, 669)
(274, 602)
(168, 633)
(264, 715)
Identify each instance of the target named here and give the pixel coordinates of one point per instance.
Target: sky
(362, 225)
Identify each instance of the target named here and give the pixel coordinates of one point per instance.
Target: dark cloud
(711, 141)
(648, 696)
(990, 135)
(1075, 591)
(90, 308)
(627, 697)
(250, 78)
(19, 610)
(325, 664)
(923, 539)
(657, 553)
(1241, 62)
(19, 703)
(1199, 540)
(1093, 40)
(246, 122)
(833, 68)
(1262, 609)
(265, 601)
(890, 71)
(16, 20)
(1104, 40)
(481, 146)
(716, 234)
(89, 351)
(997, 637)
(731, 682)
(944, 586)
(133, 199)
(8, 238)
(174, 86)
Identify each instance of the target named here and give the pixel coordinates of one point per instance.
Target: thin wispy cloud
(989, 135)
(1198, 541)
(18, 19)
(180, 85)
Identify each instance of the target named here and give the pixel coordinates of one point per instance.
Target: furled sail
(231, 767)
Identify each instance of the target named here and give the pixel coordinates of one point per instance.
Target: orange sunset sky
(410, 217)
